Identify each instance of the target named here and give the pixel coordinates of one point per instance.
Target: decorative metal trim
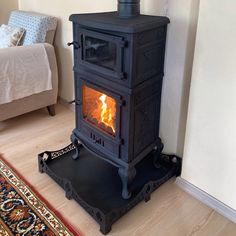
(55, 154)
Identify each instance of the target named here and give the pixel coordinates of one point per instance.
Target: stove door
(102, 53)
(98, 118)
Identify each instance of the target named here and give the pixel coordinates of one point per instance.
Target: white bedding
(24, 71)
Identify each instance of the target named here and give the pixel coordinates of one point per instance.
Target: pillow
(10, 36)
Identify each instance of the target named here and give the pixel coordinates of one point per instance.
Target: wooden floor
(171, 212)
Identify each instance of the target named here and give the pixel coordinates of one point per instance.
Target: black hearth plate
(96, 186)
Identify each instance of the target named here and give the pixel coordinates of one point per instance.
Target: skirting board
(207, 199)
(66, 104)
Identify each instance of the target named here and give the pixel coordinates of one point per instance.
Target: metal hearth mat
(96, 186)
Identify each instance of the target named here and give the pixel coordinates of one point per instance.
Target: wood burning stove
(118, 70)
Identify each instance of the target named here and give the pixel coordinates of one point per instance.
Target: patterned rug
(23, 212)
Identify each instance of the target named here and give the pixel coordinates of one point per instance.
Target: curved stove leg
(127, 176)
(157, 154)
(77, 145)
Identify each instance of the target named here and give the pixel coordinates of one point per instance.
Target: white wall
(180, 45)
(178, 67)
(6, 7)
(210, 147)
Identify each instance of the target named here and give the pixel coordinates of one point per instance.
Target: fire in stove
(106, 113)
(99, 109)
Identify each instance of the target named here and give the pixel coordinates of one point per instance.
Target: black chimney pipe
(128, 8)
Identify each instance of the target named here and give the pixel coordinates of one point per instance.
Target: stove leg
(40, 164)
(157, 155)
(105, 227)
(127, 175)
(77, 145)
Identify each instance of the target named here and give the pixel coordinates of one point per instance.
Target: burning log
(95, 121)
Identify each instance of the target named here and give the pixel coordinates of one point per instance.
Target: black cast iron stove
(118, 72)
(118, 65)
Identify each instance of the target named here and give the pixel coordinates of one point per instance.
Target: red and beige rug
(23, 212)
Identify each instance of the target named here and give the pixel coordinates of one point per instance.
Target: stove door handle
(76, 44)
(71, 102)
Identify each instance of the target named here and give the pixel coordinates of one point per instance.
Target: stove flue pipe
(128, 8)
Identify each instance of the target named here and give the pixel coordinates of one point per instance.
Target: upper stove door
(102, 53)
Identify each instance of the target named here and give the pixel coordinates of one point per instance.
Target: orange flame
(99, 109)
(106, 114)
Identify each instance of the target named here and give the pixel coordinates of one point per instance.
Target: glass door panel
(99, 109)
(100, 52)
